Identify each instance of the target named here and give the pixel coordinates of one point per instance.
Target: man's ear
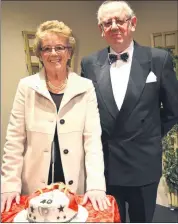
(133, 23)
(101, 30)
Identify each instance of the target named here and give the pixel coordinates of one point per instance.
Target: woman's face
(55, 51)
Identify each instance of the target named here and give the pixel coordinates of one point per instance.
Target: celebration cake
(55, 203)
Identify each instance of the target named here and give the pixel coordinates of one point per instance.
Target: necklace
(56, 88)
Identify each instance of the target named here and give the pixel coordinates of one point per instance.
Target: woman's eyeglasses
(57, 48)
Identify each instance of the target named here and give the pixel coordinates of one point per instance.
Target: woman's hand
(98, 199)
(7, 198)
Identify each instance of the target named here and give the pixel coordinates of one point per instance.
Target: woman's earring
(69, 62)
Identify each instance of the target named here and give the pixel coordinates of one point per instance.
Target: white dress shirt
(119, 73)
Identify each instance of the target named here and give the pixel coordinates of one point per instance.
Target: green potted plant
(170, 156)
(170, 165)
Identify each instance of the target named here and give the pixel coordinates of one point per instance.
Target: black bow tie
(114, 57)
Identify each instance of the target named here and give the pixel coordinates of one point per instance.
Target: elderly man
(131, 82)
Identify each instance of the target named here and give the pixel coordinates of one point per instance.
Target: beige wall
(153, 16)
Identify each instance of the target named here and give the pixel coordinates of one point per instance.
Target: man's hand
(98, 199)
(7, 198)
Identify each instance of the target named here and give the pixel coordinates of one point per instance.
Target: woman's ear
(40, 59)
(69, 62)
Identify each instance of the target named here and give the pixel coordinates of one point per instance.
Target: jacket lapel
(140, 68)
(39, 84)
(75, 86)
(104, 84)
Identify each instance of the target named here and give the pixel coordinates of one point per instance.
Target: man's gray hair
(121, 5)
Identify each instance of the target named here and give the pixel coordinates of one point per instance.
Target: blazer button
(66, 151)
(62, 121)
(71, 182)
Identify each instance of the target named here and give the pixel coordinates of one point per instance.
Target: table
(109, 215)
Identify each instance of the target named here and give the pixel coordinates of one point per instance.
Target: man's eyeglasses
(57, 48)
(107, 24)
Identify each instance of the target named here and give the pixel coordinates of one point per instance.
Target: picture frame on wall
(167, 39)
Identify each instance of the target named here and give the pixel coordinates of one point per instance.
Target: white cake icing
(52, 206)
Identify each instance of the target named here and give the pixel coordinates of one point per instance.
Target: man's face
(116, 27)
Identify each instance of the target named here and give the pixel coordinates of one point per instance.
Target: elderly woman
(57, 108)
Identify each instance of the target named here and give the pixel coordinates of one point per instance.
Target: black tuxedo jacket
(132, 136)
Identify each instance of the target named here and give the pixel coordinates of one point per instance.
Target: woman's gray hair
(121, 5)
